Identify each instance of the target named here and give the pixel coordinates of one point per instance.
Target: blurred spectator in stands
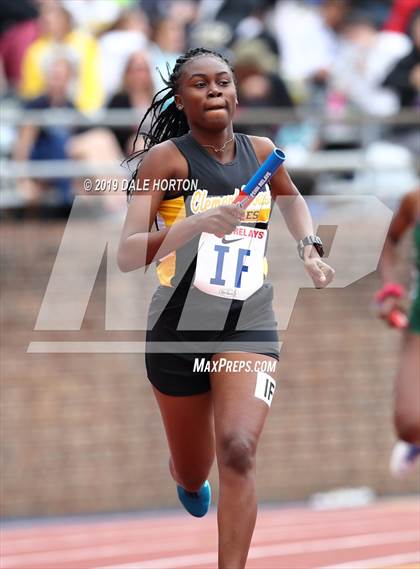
(168, 44)
(308, 39)
(129, 33)
(404, 78)
(365, 60)
(400, 15)
(59, 142)
(57, 28)
(18, 29)
(136, 93)
(255, 27)
(184, 11)
(258, 83)
(211, 35)
(48, 142)
(232, 12)
(12, 12)
(378, 10)
(221, 24)
(93, 16)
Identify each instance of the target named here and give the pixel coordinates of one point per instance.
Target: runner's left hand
(320, 273)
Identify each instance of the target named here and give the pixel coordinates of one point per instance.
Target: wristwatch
(310, 240)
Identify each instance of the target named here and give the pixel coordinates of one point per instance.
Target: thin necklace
(221, 148)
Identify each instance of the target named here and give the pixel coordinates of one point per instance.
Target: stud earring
(180, 107)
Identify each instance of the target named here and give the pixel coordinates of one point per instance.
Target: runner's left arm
(296, 214)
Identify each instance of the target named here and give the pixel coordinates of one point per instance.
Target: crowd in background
(327, 56)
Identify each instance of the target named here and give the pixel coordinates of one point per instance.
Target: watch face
(319, 248)
(311, 240)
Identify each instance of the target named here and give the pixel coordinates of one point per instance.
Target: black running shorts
(210, 325)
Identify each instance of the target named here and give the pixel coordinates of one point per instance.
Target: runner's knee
(237, 453)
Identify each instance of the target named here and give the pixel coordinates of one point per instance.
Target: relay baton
(259, 179)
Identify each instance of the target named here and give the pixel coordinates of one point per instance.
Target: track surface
(385, 534)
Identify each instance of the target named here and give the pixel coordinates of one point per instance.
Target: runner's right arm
(139, 246)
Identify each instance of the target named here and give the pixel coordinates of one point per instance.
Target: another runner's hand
(221, 220)
(388, 306)
(320, 273)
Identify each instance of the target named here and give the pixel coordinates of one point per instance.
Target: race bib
(231, 266)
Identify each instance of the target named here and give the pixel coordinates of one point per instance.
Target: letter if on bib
(231, 266)
(265, 387)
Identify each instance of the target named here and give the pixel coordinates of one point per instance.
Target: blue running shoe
(404, 459)
(196, 503)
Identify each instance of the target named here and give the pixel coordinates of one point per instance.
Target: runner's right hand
(221, 220)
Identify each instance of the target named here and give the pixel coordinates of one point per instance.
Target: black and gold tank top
(210, 184)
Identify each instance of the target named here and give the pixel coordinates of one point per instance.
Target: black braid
(167, 121)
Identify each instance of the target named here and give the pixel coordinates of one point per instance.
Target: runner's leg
(407, 391)
(188, 423)
(239, 418)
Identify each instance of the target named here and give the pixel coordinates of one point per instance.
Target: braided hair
(167, 121)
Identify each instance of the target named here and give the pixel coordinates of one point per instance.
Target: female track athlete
(213, 305)
(407, 383)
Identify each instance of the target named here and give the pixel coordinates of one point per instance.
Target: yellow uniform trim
(169, 212)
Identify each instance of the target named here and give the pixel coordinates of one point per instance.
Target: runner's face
(207, 92)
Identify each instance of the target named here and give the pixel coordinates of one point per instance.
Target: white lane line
(388, 561)
(62, 530)
(296, 548)
(51, 542)
(153, 544)
(298, 518)
(82, 554)
(82, 534)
